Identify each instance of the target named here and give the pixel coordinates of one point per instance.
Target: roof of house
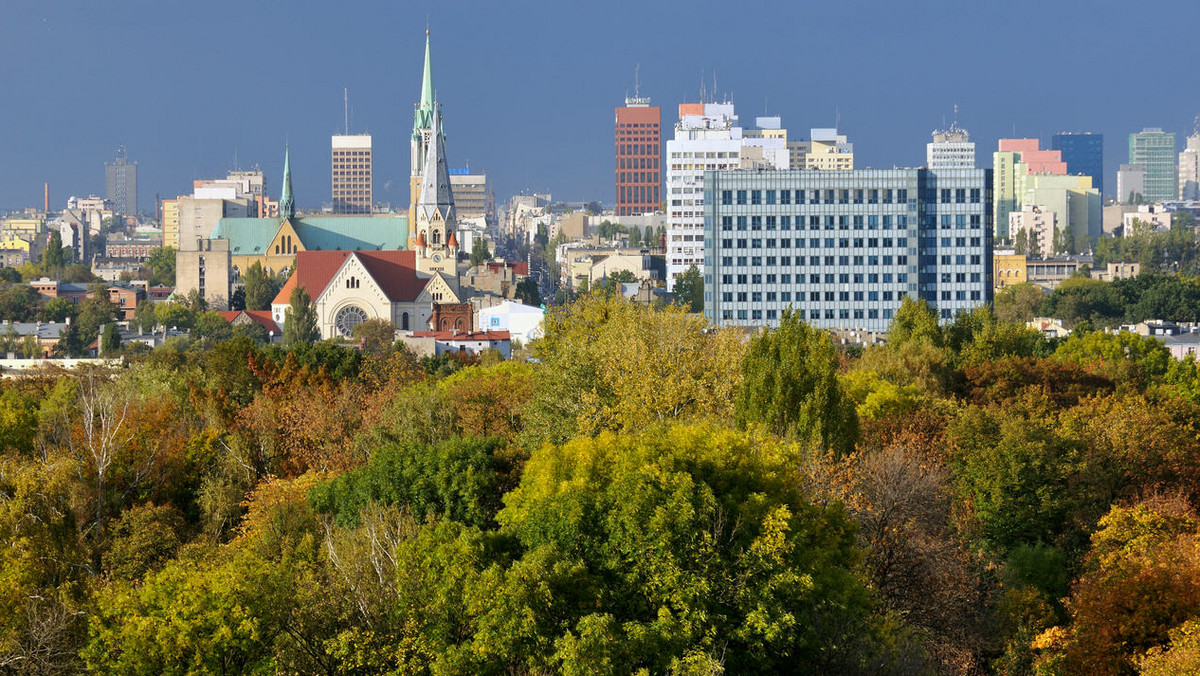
(462, 336)
(394, 271)
(261, 317)
(1182, 339)
(253, 236)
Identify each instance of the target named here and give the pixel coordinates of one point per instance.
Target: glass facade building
(1084, 154)
(843, 248)
(1154, 149)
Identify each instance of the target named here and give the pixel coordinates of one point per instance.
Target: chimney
(47, 197)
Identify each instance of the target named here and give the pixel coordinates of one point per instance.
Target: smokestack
(47, 198)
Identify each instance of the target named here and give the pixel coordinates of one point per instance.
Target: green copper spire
(287, 205)
(425, 107)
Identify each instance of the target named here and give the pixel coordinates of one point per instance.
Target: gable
(286, 241)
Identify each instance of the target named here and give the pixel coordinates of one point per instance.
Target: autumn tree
(375, 335)
(689, 289)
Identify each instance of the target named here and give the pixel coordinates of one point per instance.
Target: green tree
(161, 265)
(790, 386)
(689, 290)
(110, 339)
(479, 251)
(260, 288)
(635, 237)
(300, 319)
(53, 257)
(1019, 303)
(528, 293)
(376, 335)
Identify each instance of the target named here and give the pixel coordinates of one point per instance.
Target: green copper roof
(287, 204)
(425, 107)
(252, 236)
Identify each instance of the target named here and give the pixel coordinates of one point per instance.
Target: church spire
(287, 205)
(436, 196)
(421, 120)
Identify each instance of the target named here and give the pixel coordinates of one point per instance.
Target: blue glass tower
(1084, 154)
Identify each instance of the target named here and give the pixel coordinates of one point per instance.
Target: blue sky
(528, 88)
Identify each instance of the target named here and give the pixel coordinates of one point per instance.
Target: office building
(707, 138)
(951, 149)
(350, 170)
(826, 149)
(470, 193)
(1083, 153)
(1189, 168)
(1131, 183)
(639, 154)
(1154, 150)
(120, 181)
(843, 249)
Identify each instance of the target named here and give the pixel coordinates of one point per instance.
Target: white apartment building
(1039, 225)
(1189, 169)
(707, 138)
(951, 149)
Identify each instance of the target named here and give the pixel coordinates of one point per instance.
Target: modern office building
(639, 156)
(843, 248)
(707, 138)
(1189, 168)
(120, 182)
(951, 149)
(470, 193)
(1084, 154)
(1154, 149)
(351, 173)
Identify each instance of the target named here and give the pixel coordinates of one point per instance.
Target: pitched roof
(261, 317)
(253, 236)
(394, 271)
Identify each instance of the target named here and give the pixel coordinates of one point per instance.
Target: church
(415, 288)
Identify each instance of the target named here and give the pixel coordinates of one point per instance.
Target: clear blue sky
(528, 88)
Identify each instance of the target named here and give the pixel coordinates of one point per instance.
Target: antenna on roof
(702, 86)
(956, 116)
(714, 89)
(837, 117)
(636, 81)
(346, 105)
(1196, 126)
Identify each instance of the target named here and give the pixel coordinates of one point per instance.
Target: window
(741, 197)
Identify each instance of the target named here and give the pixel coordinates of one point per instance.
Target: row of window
(650, 149)
(786, 261)
(637, 163)
(637, 177)
(811, 314)
(849, 196)
(829, 278)
(816, 243)
(843, 222)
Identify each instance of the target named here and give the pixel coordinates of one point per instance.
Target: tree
(260, 288)
(1021, 242)
(689, 290)
(376, 335)
(790, 386)
(1019, 303)
(53, 256)
(479, 251)
(300, 319)
(161, 265)
(110, 339)
(635, 237)
(527, 292)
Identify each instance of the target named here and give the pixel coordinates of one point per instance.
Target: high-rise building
(826, 150)
(843, 249)
(1084, 154)
(1189, 167)
(351, 173)
(1131, 183)
(470, 193)
(120, 181)
(951, 149)
(707, 138)
(638, 157)
(1014, 161)
(1154, 149)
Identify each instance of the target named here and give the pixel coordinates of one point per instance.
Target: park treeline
(645, 495)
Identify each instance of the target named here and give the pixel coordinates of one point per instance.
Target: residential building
(637, 167)
(437, 343)
(170, 223)
(951, 149)
(523, 322)
(1015, 160)
(1131, 183)
(112, 269)
(707, 138)
(826, 150)
(1083, 153)
(844, 248)
(1115, 270)
(1183, 346)
(1032, 229)
(119, 245)
(120, 181)
(1026, 175)
(351, 173)
(260, 317)
(205, 268)
(1153, 215)
(1154, 149)
(1189, 169)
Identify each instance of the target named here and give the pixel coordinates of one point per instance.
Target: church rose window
(347, 318)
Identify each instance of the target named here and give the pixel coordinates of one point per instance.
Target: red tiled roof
(394, 271)
(261, 317)
(467, 336)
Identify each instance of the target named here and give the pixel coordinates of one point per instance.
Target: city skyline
(535, 123)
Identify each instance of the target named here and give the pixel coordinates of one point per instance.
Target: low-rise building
(1008, 268)
(1183, 346)
(437, 343)
(523, 322)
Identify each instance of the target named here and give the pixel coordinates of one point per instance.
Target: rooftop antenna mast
(346, 106)
(956, 116)
(702, 99)
(637, 93)
(1196, 126)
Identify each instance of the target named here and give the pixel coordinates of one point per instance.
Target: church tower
(287, 204)
(422, 124)
(436, 244)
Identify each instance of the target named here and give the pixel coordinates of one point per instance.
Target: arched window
(437, 237)
(404, 322)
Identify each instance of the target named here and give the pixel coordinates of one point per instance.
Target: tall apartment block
(1189, 168)
(951, 149)
(639, 157)
(707, 138)
(351, 173)
(843, 248)
(1154, 149)
(120, 182)
(1084, 154)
